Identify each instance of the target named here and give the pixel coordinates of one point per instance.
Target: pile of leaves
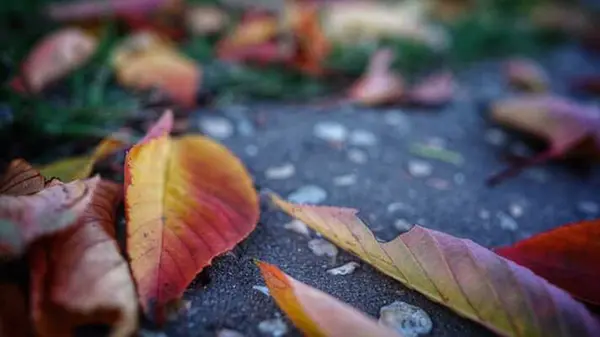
(188, 199)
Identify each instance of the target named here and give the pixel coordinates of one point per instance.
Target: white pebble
(516, 210)
(419, 168)
(588, 207)
(357, 156)
(229, 333)
(436, 142)
(438, 184)
(331, 132)
(321, 247)
(262, 289)
(345, 180)
(275, 327)
(298, 227)
(406, 319)
(402, 225)
(251, 150)
(459, 178)
(495, 137)
(484, 214)
(281, 172)
(309, 194)
(216, 127)
(362, 138)
(400, 206)
(397, 120)
(346, 269)
(506, 222)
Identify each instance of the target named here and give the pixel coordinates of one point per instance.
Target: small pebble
(298, 227)
(281, 172)
(346, 269)
(484, 214)
(309, 194)
(436, 142)
(397, 120)
(588, 207)
(362, 138)
(357, 156)
(516, 210)
(400, 206)
(419, 168)
(438, 184)
(245, 128)
(506, 222)
(251, 150)
(216, 127)
(345, 180)
(262, 289)
(321, 247)
(495, 137)
(402, 225)
(275, 327)
(406, 319)
(331, 132)
(229, 333)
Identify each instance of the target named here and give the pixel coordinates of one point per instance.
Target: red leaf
(435, 90)
(568, 256)
(21, 178)
(379, 84)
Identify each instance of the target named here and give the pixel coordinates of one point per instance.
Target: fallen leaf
(187, 201)
(146, 61)
(434, 90)
(20, 178)
(102, 9)
(316, 313)
(202, 20)
(79, 276)
(379, 84)
(527, 74)
(24, 219)
(564, 124)
(57, 55)
(14, 314)
(162, 127)
(81, 167)
(473, 281)
(566, 256)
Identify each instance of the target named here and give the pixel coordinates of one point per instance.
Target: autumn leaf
(162, 127)
(79, 276)
(57, 55)
(81, 167)
(379, 84)
(146, 61)
(20, 178)
(14, 314)
(435, 90)
(566, 256)
(564, 124)
(471, 280)
(187, 201)
(315, 312)
(24, 219)
(527, 74)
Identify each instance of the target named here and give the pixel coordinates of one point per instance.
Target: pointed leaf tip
(162, 127)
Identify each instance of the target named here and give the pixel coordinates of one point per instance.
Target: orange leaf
(162, 127)
(315, 312)
(471, 280)
(54, 57)
(187, 201)
(14, 314)
(145, 61)
(24, 219)
(566, 256)
(252, 40)
(379, 84)
(79, 276)
(435, 90)
(73, 168)
(526, 74)
(21, 178)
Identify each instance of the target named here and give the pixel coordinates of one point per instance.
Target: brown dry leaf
(20, 178)
(527, 74)
(379, 84)
(79, 276)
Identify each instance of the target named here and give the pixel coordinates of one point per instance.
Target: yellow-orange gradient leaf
(20, 178)
(316, 313)
(79, 276)
(470, 279)
(187, 200)
(81, 167)
(24, 219)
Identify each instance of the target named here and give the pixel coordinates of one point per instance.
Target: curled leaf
(79, 276)
(379, 84)
(527, 74)
(435, 90)
(315, 312)
(81, 167)
(471, 280)
(20, 178)
(54, 57)
(162, 127)
(187, 201)
(24, 219)
(566, 256)
(564, 124)
(145, 61)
